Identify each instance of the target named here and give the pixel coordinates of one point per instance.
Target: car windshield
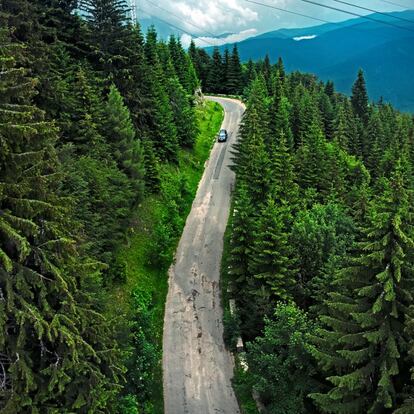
(222, 133)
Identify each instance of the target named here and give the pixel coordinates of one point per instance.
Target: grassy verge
(154, 233)
(242, 381)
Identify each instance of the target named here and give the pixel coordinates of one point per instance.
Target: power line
(287, 11)
(395, 4)
(179, 28)
(180, 18)
(357, 15)
(374, 11)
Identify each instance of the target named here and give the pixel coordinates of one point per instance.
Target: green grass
(136, 253)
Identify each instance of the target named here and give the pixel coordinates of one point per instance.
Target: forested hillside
(102, 145)
(96, 121)
(321, 248)
(336, 51)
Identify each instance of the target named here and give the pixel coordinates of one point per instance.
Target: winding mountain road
(197, 367)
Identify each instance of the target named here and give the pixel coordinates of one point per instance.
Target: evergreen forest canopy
(90, 111)
(321, 245)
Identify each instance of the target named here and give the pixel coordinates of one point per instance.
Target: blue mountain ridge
(385, 53)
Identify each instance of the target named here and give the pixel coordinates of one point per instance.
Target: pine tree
(341, 131)
(125, 145)
(271, 259)
(107, 20)
(312, 163)
(305, 114)
(86, 115)
(56, 348)
(163, 131)
(240, 245)
(182, 65)
(226, 68)
(216, 72)
(134, 84)
(62, 25)
(152, 168)
(250, 73)
(267, 73)
(283, 179)
(328, 116)
(364, 342)
(201, 61)
(330, 90)
(251, 158)
(117, 54)
(374, 144)
(280, 69)
(407, 396)
(280, 362)
(346, 132)
(183, 113)
(242, 225)
(359, 98)
(234, 73)
(280, 121)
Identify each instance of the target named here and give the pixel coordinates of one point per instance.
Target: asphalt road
(197, 367)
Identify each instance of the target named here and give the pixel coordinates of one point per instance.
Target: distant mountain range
(337, 51)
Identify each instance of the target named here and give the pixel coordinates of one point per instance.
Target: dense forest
(94, 116)
(90, 112)
(321, 247)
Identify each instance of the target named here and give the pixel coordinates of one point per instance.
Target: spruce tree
(363, 344)
(183, 66)
(107, 20)
(240, 246)
(201, 61)
(163, 132)
(216, 73)
(328, 115)
(251, 157)
(271, 258)
(346, 131)
(234, 73)
(330, 90)
(282, 174)
(125, 145)
(280, 122)
(280, 68)
(152, 167)
(341, 130)
(226, 68)
(305, 114)
(267, 73)
(117, 54)
(86, 113)
(312, 163)
(183, 113)
(250, 73)
(56, 350)
(374, 144)
(359, 99)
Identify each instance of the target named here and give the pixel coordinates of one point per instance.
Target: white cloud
(204, 17)
(299, 38)
(205, 41)
(207, 17)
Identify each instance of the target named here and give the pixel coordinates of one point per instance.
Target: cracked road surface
(197, 367)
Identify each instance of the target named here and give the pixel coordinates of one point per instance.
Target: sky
(206, 19)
